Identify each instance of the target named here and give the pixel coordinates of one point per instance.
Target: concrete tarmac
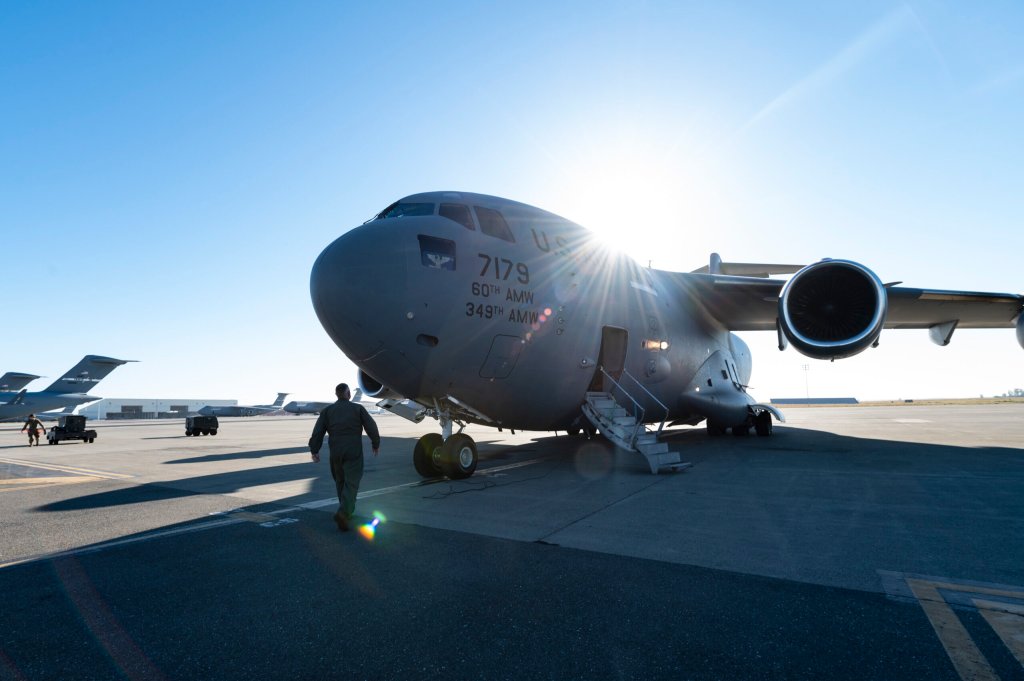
(837, 548)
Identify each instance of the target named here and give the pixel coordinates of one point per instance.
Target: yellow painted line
(1008, 621)
(49, 479)
(15, 484)
(970, 664)
(67, 469)
(970, 589)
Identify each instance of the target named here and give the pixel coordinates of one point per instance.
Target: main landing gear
(445, 453)
(761, 423)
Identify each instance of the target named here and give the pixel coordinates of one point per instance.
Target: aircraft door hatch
(612, 356)
(502, 357)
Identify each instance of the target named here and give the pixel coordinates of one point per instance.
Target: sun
(636, 200)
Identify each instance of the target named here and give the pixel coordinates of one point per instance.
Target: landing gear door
(614, 343)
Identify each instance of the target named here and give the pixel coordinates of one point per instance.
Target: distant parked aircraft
(13, 381)
(294, 407)
(68, 390)
(254, 410)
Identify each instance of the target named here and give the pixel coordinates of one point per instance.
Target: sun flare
(637, 202)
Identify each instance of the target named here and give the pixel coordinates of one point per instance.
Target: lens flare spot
(593, 461)
(369, 530)
(547, 311)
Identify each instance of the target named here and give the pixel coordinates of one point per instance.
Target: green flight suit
(343, 422)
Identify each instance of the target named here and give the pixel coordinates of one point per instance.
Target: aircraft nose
(356, 285)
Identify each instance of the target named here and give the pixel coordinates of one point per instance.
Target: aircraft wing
(752, 304)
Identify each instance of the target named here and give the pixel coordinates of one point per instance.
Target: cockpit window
(400, 210)
(492, 223)
(457, 212)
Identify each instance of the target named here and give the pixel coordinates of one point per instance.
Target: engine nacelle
(1020, 329)
(833, 309)
(371, 387)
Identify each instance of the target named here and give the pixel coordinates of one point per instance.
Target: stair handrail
(638, 408)
(661, 426)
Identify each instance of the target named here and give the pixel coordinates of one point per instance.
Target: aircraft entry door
(612, 356)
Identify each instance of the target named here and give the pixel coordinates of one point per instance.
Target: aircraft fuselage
(514, 316)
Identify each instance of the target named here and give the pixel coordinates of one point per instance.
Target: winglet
(13, 381)
(745, 269)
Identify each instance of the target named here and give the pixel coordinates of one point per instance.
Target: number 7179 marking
(502, 268)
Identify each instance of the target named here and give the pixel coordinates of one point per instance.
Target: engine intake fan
(833, 309)
(371, 387)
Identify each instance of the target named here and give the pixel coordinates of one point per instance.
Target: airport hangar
(139, 408)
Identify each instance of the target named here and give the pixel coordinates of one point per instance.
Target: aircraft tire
(459, 457)
(763, 424)
(423, 455)
(213, 431)
(206, 432)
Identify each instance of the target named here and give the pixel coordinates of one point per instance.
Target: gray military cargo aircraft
(295, 407)
(14, 381)
(498, 313)
(254, 410)
(68, 390)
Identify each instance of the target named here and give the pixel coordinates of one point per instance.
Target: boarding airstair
(624, 425)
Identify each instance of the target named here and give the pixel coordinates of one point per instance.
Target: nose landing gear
(453, 455)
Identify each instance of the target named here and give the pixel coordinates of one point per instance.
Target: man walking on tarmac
(344, 422)
(33, 425)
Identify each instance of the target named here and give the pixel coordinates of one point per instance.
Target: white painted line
(123, 542)
(368, 494)
(236, 516)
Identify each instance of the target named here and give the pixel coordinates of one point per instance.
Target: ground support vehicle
(201, 425)
(70, 427)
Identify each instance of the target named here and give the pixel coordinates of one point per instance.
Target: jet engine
(371, 387)
(833, 309)
(1020, 329)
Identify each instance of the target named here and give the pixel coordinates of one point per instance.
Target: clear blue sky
(169, 172)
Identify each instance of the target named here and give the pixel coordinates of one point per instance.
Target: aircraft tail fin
(15, 380)
(745, 269)
(19, 398)
(280, 399)
(358, 396)
(87, 373)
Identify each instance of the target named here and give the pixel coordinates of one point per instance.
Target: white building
(129, 408)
